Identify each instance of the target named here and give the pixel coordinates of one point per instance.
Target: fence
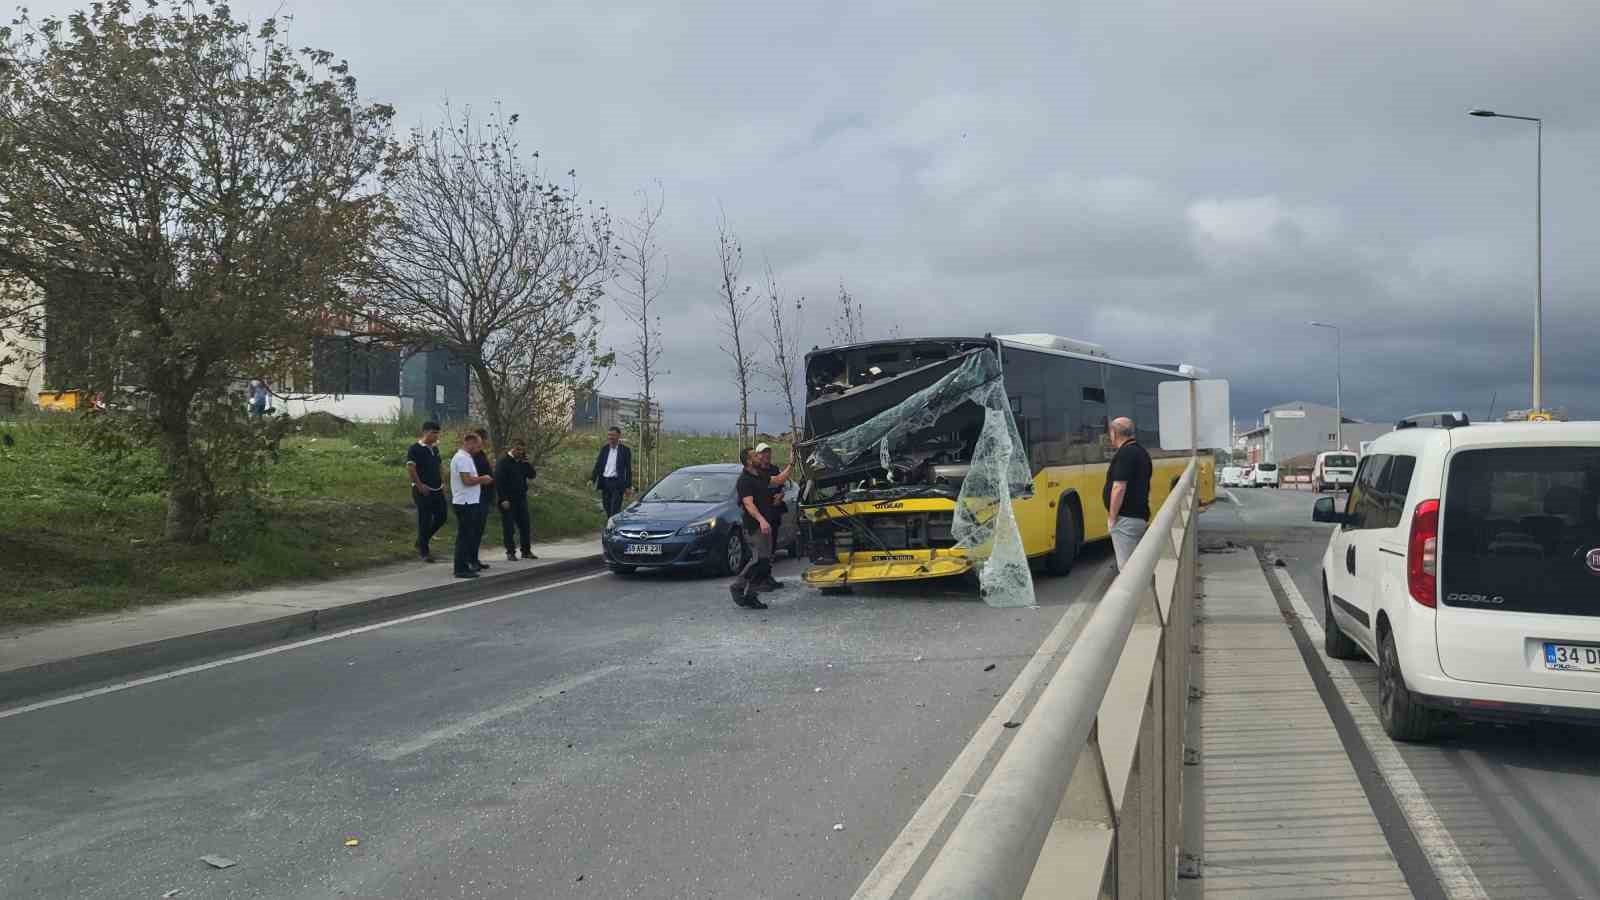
(1086, 802)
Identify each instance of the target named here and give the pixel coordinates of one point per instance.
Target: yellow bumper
(897, 565)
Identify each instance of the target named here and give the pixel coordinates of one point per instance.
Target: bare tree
(192, 190)
(483, 256)
(641, 276)
(737, 305)
(849, 325)
(783, 340)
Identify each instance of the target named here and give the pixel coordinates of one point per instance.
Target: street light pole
(1338, 379)
(1538, 247)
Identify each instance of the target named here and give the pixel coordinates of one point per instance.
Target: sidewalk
(1284, 813)
(40, 658)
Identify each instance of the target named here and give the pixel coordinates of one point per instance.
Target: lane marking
(886, 878)
(478, 720)
(1450, 867)
(270, 651)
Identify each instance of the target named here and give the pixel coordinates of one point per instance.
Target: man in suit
(511, 476)
(613, 471)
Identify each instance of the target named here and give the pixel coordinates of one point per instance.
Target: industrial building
(1292, 432)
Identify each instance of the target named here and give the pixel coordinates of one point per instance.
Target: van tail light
(1422, 554)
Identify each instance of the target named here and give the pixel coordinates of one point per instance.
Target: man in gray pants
(1127, 490)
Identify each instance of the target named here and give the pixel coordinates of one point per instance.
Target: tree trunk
(188, 486)
(491, 411)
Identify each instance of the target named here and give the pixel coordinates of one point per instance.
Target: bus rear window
(1518, 525)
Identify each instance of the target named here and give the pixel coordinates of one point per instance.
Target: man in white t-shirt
(466, 491)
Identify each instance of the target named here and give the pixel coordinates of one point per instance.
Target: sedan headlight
(698, 528)
(612, 522)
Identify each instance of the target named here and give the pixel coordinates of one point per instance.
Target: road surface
(612, 737)
(1521, 803)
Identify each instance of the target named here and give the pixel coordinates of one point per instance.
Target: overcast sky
(1177, 181)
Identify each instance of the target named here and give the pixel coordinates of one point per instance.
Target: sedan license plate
(1572, 657)
(643, 550)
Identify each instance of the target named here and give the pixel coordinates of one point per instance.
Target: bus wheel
(1060, 560)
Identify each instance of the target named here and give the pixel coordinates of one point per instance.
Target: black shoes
(748, 600)
(528, 554)
(481, 567)
(510, 556)
(467, 574)
(770, 584)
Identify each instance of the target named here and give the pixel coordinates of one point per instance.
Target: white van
(1335, 471)
(1266, 475)
(1465, 562)
(1232, 476)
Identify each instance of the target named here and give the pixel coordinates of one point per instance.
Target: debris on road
(1011, 725)
(1278, 561)
(816, 690)
(989, 667)
(838, 826)
(219, 862)
(172, 893)
(352, 842)
(580, 878)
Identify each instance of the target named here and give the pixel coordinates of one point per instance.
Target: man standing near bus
(1127, 490)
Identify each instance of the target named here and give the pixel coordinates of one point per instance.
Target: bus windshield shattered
(912, 462)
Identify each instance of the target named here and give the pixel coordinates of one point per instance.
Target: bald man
(1127, 491)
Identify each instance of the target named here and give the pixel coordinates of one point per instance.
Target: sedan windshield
(693, 487)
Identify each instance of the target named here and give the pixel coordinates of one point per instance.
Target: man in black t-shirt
(760, 521)
(427, 490)
(1127, 490)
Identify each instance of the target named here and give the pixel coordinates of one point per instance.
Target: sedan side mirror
(1325, 511)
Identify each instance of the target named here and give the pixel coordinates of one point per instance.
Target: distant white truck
(1232, 476)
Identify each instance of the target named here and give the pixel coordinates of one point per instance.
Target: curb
(63, 675)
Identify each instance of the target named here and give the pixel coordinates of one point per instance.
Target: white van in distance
(1266, 475)
(1335, 471)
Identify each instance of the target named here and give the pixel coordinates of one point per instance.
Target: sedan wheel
(732, 557)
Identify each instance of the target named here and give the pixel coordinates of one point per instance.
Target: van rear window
(1519, 526)
(1339, 462)
(1267, 467)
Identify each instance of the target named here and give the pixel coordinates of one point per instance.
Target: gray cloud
(1173, 180)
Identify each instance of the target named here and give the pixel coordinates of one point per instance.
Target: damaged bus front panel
(895, 431)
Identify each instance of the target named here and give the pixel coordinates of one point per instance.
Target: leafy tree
(480, 254)
(206, 187)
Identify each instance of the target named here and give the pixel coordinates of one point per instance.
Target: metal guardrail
(1086, 802)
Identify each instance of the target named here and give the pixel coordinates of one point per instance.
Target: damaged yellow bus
(892, 434)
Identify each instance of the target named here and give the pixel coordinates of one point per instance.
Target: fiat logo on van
(1593, 560)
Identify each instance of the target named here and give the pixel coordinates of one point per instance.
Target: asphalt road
(1522, 803)
(614, 737)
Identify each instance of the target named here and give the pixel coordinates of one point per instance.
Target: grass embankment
(80, 534)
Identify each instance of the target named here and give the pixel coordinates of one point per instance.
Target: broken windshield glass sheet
(961, 426)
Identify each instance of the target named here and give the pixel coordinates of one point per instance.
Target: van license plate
(1572, 657)
(643, 550)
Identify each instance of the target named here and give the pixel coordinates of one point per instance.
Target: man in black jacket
(613, 471)
(486, 500)
(511, 476)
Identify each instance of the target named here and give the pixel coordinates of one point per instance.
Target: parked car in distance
(1466, 562)
(1266, 475)
(689, 519)
(1335, 471)
(1232, 476)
